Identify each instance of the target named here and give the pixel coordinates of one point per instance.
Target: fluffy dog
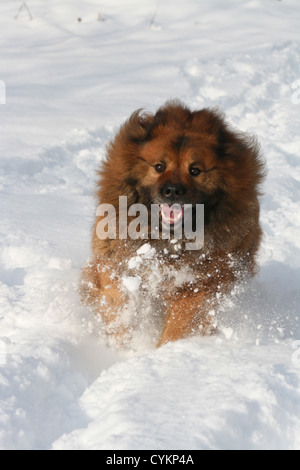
(182, 157)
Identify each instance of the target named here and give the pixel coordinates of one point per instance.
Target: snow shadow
(267, 309)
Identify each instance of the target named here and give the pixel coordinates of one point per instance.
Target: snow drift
(69, 85)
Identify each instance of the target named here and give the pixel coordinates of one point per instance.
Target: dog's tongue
(171, 214)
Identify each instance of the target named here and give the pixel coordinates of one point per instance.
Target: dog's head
(178, 156)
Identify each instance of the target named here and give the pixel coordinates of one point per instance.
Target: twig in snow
(100, 17)
(22, 7)
(153, 16)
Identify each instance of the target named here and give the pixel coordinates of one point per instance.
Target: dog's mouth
(171, 215)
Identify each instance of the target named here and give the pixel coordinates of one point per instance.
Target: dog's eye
(160, 167)
(195, 171)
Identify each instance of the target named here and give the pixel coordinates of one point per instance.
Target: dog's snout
(173, 191)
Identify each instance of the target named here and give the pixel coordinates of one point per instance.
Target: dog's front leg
(186, 314)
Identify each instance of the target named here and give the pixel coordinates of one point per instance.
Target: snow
(69, 84)
(131, 283)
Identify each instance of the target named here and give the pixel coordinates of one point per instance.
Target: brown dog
(183, 157)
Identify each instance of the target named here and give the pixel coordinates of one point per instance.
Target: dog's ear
(173, 112)
(138, 125)
(208, 121)
(212, 122)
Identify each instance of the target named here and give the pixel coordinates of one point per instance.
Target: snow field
(69, 85)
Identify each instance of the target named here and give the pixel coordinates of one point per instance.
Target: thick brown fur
(231, 171)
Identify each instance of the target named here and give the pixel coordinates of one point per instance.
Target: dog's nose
(173, 190)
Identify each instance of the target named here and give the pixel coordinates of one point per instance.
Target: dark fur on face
(179, 156)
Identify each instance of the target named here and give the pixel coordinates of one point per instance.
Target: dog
(171, 159)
